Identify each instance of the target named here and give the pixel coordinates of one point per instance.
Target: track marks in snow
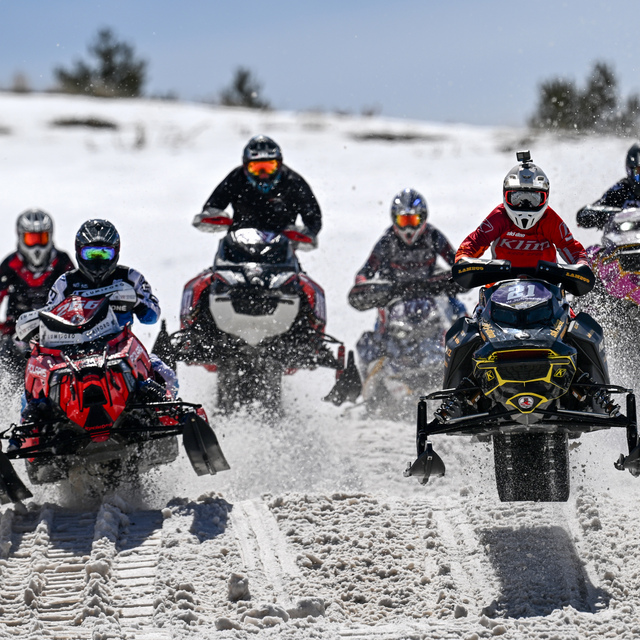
(264, 551)
(67, 569)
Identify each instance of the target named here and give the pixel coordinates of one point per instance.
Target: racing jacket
(75, 282)
(392, 258)
(622, 195)
(523, 247)
(26, 290)
(272, 211)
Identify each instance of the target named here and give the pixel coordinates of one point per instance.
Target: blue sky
(441, 60)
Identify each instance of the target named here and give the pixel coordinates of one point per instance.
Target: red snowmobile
(95, 404)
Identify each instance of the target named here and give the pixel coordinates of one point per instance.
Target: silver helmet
(525, 192)
(35, 238)
(409, 215)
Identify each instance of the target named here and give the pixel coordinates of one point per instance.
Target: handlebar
(474, 272)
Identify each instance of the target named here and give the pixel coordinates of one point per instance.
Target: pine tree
(116, 72)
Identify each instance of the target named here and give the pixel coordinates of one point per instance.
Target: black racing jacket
(392, 258)
(26, 290)
(273, 211)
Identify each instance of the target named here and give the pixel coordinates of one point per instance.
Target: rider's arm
(147, 308)
(442, 247)
(569, 249)
(377, 260)
(5, 284)
(304, 203)
(58, 292)
(213, 216)
(596, 214)
(478, 241)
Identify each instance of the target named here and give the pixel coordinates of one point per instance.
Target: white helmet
(409, 215)
(525, 192)
(35, 238)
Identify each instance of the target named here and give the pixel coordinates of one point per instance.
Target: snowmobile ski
(428, 464)
(12, 489)
(202, 446)
(348, 386)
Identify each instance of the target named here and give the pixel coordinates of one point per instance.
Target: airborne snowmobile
(95, 404)
(254, 316)
(527, 375)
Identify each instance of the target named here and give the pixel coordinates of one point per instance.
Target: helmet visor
(97, 253)
(635, 174)
(408, 220)
(261, 168)
(526, 200)
(32, 238)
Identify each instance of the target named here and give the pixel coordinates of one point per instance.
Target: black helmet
(97, 249)
(262, 162)
(35, 238)
(633, 164)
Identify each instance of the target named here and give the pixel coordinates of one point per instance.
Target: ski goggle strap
(97, 253)
(408, 220)
(33, 238)
(526, 200)
(257, 167)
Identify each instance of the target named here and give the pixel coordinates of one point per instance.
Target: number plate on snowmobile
(521, 294)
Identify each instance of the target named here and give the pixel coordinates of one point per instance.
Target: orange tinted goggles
(259, 167)
(408, 220)
(31, 238)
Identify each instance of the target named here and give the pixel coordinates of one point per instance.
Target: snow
(314, 532)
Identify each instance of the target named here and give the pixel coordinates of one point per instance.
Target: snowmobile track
(61, 567)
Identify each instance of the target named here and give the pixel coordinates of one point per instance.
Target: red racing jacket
(523, 247)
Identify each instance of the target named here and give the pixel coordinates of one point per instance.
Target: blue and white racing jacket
(146, 307)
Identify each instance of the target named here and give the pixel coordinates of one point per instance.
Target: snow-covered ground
(314, 532)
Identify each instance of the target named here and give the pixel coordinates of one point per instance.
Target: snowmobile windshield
(252, 245)
(623, 228)
(76, 321)
(522, 303)
(415, 319)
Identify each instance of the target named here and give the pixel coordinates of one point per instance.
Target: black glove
(595, 216)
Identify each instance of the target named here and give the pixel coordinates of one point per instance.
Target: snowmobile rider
(524, 229)
(405, 257)
(408, 249)
(264, 193)
(623, 194)
(97, 252)
(26, 275)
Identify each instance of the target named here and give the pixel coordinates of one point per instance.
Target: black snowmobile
(527, 375)
(254, 316)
